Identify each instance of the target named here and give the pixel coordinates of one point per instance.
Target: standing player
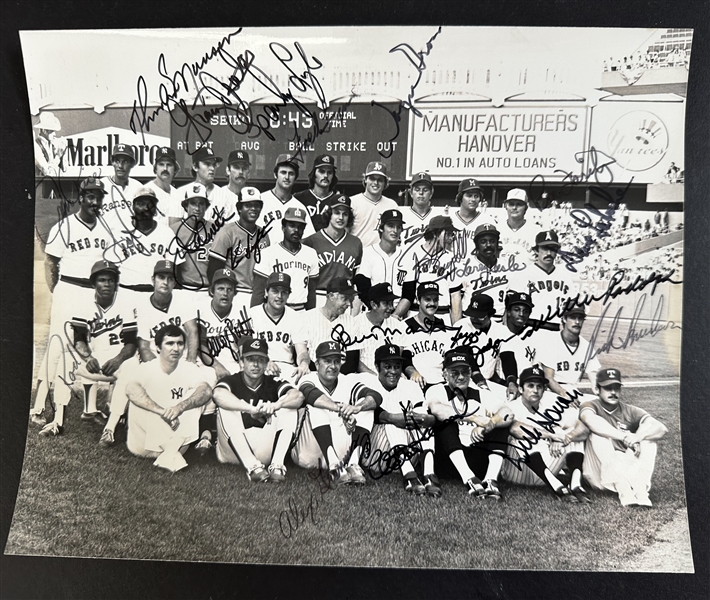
(517, 232)
(417, 216)
(621, 449)
(277, 200)
(256, 416)
(167, 396)
(341, 415)
(226, 197)
(370, 204)
(558, 444)
(282, 327)
(204, 165)
(339, 252)
(468, 217)
(120, 189)
(322, 181)
(293, 258)
(474, 426)
(165, 167)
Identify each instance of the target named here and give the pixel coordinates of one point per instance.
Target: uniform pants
(605, 467)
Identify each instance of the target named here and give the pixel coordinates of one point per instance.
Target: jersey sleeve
(56, 245)
(222, 244)
(435, 395)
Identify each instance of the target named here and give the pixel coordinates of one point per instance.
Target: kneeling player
(340, 410)
(256, 415)
(475, 426)
(545, 435)
(166, 400)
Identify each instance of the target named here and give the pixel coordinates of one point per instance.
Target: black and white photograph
(350, 296)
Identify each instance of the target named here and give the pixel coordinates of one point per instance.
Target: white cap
(517, 194)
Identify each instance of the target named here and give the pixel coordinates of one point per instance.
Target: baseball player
(165, 167)
(120, 189)
(545, 436)
(417, 216)
(256, 416)
(322, 181)
(238, 246)
(340, 418)
(282, 327)
(517, 232)
(291, 257)
(402, 423)
(380, 260)
(469, 216)
(339, 253)
(431, 260)
(204, 165)
(73, 246)
(484, 272)
(167, 396)
(226, 197)
(473, 426)
(370, 204)
(620, 454)
(280, 198)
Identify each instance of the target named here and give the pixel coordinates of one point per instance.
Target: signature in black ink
(599, 172)
(600, 230)
(237, 254)
(338, 334)
(296, 515)
(233, 331)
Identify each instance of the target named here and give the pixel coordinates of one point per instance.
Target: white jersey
(151, 319)
(169, 205)
(223, 203)
(415, 224)
(569, 363)
(467, 229)
(117, 206)
(319, 329)
(380, 267)
(524, 347)
(428, 348)
(519, 242)
(368, 337)
(105, 327)
(548, 291)
(274, 210)
(366, 217)
(486, 346)
(78, 245)
(281, 334)
(479, 278)
(301, 266)
(567, 419)
(348, 388)
(405, 397)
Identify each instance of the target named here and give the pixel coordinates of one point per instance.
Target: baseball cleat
(340, 476)
(475, 487)
(492, 491)
(38, 419)
(413, 485)
(277, 473)
(203, 446)
(432, 486)
(357, 476)
(258, 474)
(642, 499)
(106, 439)
(51, 430)
(95, 417)
(581, 494)
(565, 495)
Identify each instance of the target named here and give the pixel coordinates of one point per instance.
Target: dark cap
(103, 266)
(324, 160)
(222, 274)
(338, 200)
(456, 357)
(428, 287)
(286, 159)
(390, 215)
(533, 373)
(166, 153)
(440, 222)
(123, 150)
(249, 194)
(388, 352)
(236, 156)
(381, 292)
(279, 279)
(293, 213)
(518, 298)
(547, 238)
(571, 308)
(421, 178)
(91, 183)
(607, 377)
(164, 266)
(254, 347)
(467, 185)
(376, 168)
(485, 229)
(481, 305)
(325, 349)
(341, 285)
(204, 154)
(146, 192)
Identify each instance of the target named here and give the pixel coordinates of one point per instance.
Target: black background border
(34, 577)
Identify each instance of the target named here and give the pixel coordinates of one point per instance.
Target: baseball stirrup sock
(538, 466)
(324, 437)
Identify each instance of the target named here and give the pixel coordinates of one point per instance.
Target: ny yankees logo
(530, 355)
(393, 350)
(177, 393)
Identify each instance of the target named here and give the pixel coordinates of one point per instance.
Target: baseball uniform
(548, 291)
(274, 209)
(415, 224)
(301, 266)
(335, 259)
(315, 206)
(519, 242)
(193, 240)
(366, 217)
(169, 205)
(318, 328)
(486, 345)
(481, 279)
(569, 363)
(380, 267)
(427, 347)
(117, 207)
(368, 337)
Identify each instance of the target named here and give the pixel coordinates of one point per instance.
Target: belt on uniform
(85, 283)
(300, 306)
(139, 287)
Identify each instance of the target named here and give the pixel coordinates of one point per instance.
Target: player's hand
(172, 413)
(272, 369)
(477, 434)
(93, 365)
(417, 378)
(267, 408)
(348, 410)
(483, 386)
(111, 366)
(513, 391)
(555, 449)
(300, 371)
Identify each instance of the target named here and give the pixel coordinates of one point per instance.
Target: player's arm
(290, 398)
(303, 360)
(410, 370)
(83, 350)
(192, 331)
(311, 298)
(552, 383)
(456, 309)
(144, 351)
(51, 271)
(199, 397)
(214, 264)
(258, 289)
(226, 400)
(405, 302)
(510, 372)
(362, 368)
(650, 429)
(599, 426)
(127, 351)
(318, 398)
(369, 400)
(137, 395)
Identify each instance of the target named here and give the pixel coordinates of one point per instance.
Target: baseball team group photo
(415, 317)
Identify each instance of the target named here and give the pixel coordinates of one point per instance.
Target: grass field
(76, 499)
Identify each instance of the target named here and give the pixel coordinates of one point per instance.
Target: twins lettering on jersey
(100, 326)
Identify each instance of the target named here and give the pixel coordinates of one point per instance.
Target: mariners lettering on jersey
(548, 286)
(86, 244)
(176, 393)
(292, 264)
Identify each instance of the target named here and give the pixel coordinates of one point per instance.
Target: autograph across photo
(352, 297)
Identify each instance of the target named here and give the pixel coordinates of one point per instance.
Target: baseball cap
(486, 228)
(467, 185)
(328, 349)
(574, 309)
(236, 156)
(342, 285)
(91, 183)
(517, 194)
(205, 153)
(339, 200)
(279, 279)
(376, 168)
(428, 287)
(608, 376)
(146, 192)
(440, 222)
(324, 160)
(421, 178)
(222, 274)
(390, 215)
(249, 194)
(286, 159)
(388, 352)
(293, 213)
(196, 190)
(164, 266)
(481, 305)
(254, 347)
(123, 150)
(166, 153)
(518, 298)
(381, 292)
(456, 357)
(103, 266)
(547, 238)
(532, 373)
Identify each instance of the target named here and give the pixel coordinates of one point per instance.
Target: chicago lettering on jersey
(429, 346)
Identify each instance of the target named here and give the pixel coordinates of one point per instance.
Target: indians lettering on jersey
(327, 257)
